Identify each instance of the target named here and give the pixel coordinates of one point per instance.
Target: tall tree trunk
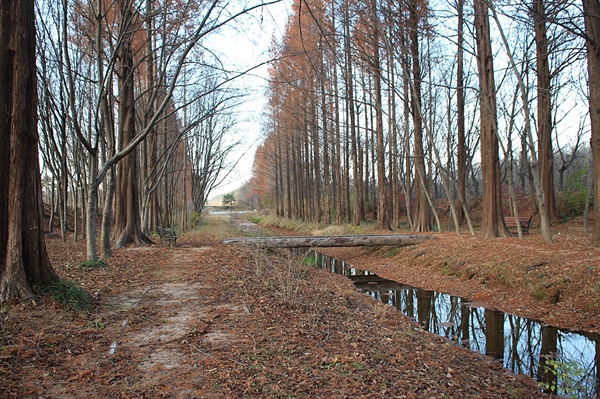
(393, 145)
(544, 110)
(290, 177)
(337, 160)
(346, 173)
(23, 258)
(149, 150)
(279, 197)
(493, 221)
(591, 10)
(350, 106)
(407, 157)
(382, 208)
(422, 220)
(461, 151)
(368, 181)
(316, 155)
(326, 155)
(127, 209)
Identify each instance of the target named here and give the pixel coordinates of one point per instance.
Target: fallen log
(367, 240)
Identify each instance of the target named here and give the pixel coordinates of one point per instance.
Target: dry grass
(333, 230)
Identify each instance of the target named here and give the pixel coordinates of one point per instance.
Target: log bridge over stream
(363, 240)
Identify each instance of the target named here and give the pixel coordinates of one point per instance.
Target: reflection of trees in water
(494, 334)
(523, 345)
(546, 372)
(570, 361)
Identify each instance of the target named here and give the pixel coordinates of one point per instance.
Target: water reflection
(564, 362)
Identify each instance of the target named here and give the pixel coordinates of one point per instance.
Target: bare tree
(209, 142)
(537, 185)
(544, 108)
(461, 156)
(493, 221)
(422, 218)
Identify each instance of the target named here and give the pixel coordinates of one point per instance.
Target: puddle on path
(569, 359)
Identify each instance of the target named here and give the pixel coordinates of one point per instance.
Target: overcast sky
(244, 46)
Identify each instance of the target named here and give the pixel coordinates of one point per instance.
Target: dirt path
(149, 338)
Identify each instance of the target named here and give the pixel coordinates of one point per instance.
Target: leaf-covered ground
(204, 320)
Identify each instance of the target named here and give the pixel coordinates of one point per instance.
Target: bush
(571, 202)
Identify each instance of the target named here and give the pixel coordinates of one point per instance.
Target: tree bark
(382, 208)
(544, 110)
(422, 219)
(127, 210)
(493, 222)
(349, 86)
(461, 156)
(23, 258)
(591, 10)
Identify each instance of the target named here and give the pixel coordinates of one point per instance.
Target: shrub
(571, 202)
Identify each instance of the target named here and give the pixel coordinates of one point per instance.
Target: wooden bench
(525, 222)
(166, 236)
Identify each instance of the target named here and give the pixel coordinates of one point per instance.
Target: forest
(409, 112)
(376, 110)
(118, 119)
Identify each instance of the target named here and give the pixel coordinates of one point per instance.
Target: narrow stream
(569, 360)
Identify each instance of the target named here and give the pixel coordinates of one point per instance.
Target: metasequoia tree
(300, 101)
(461, 150)
(544, 108)
(23, 259)
(127, 224)
(390, 51)
(492, 224)
(422, 215)
(591, 11)
(368, 39)
(348, 75)
(376, 70)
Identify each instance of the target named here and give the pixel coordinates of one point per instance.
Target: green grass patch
(539, 293)
(69, 293)
(91, 264)
(255, 218)
(392, 252)
(310, 259)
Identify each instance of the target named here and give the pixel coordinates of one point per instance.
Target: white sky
(243, 46)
